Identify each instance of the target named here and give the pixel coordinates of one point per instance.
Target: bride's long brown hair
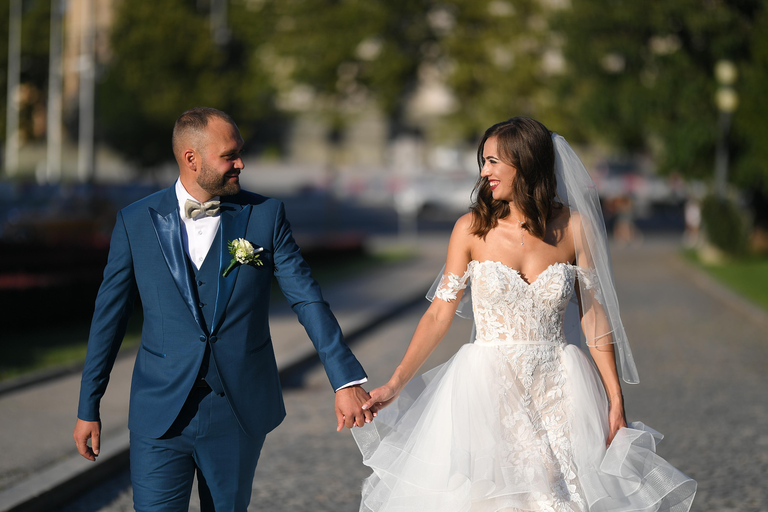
(527, 145)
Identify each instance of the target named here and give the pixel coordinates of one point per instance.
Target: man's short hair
(192, 123)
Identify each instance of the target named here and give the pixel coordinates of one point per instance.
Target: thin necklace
(521, 230)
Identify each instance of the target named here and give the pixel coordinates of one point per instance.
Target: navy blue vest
(206, 283)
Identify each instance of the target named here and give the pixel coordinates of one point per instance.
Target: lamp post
(14, 72)
(219, 30)
(727, 100)
(55, 77)
(87, 90)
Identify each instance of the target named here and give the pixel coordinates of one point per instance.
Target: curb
(53, 487)
(63, 481)
(42, 376)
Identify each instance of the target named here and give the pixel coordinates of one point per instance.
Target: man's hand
(85, 430)
(349, 407)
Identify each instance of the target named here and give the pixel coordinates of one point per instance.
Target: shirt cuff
(353, 383)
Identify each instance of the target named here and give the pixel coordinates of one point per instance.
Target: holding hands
(382, 397)
(351, 407)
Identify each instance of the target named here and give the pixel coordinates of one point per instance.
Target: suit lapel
(168, 230)
(234, 223)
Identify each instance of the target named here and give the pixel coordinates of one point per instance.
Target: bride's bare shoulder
(462, 236)
(464, 224)
(560, 228)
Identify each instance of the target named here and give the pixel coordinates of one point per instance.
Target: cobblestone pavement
(703, 384)
(703, 364)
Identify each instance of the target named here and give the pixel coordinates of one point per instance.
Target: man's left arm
(303, 293)
(114, 304)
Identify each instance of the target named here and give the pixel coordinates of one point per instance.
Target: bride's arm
(606, 364)
(433, 325)
(597, 330)
(603, 355)
(594, 320)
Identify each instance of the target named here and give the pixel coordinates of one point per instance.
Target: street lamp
(727, 100)
(14, 73)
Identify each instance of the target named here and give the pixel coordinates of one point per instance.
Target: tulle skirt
(517, 427)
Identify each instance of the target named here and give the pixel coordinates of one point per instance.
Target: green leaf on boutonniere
(243, 253)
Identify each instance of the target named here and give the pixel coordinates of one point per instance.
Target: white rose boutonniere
(243, 253)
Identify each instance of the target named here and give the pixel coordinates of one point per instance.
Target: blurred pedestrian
(692, 214)
(205, 389)
(624, 229)
(520, 419)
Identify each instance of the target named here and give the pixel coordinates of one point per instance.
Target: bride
(520, 419)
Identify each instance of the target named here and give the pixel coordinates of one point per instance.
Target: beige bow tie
(193, 209)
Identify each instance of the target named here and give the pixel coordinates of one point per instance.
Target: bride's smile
(500, 175)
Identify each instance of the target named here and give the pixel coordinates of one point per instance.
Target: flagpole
(14, 72)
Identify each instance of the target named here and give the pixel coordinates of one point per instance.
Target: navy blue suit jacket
(147, 257)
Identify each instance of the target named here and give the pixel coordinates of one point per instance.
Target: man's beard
(216, 184)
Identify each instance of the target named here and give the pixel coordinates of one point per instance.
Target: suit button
(203, 338)
(213, 339)
(202, 305)
(200, 283)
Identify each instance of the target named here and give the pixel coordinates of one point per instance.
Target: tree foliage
(497, 53)
(166, 61)
(347, 53)
(641, 74)
(634, 75)
(750, 126)
(726, 225)
(488, 52)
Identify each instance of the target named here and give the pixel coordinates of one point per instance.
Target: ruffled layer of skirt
(513, 427)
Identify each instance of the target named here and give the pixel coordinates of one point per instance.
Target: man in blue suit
(205, 388)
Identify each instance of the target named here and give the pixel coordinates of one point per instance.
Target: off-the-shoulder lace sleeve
(449, 286)
(588, 278)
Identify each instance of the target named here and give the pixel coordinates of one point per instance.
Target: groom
(205, 389)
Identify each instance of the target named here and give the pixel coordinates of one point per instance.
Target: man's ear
(190, 159)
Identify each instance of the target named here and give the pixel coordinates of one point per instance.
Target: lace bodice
(507, 309)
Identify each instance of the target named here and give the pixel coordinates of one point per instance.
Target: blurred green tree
(641, 73)
(488, 53)
(632, 74)
(165, 60)
(502, 58)
(750, 125)
(343, 54)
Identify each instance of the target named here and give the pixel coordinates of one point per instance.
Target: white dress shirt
(198, 235)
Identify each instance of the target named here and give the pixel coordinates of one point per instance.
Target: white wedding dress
(516, 421)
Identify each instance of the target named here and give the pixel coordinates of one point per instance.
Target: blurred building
(78, 19)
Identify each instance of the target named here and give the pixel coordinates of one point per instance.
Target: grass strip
(746, 276)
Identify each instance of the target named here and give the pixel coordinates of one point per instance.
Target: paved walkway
(37, 449)
(702, 355)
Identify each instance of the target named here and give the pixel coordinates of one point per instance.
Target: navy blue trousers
(205, 440)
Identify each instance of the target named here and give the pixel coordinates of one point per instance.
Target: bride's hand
(616, 419)
(381, 397)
